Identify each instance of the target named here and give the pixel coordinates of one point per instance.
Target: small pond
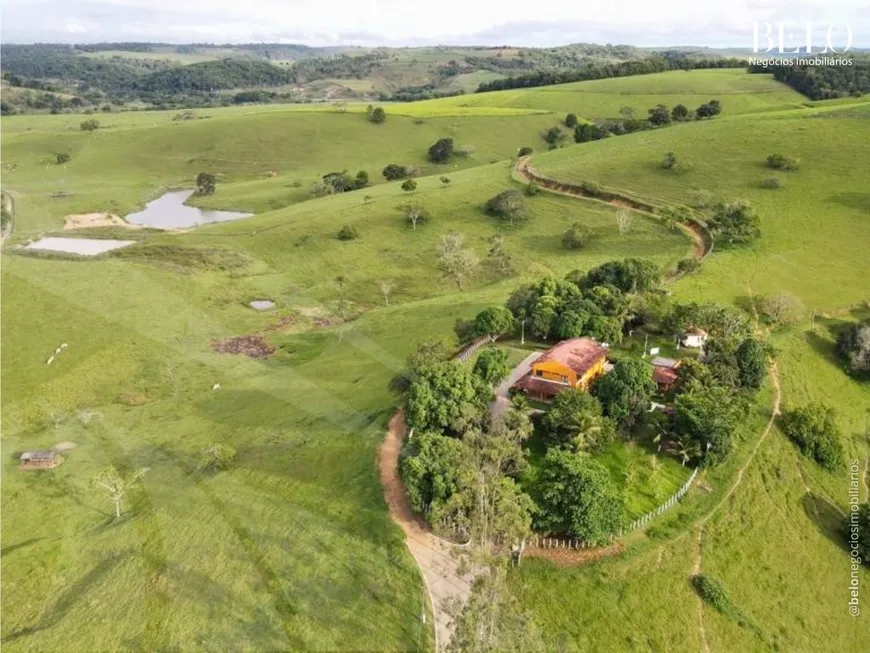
(169, 211)
(81, 246)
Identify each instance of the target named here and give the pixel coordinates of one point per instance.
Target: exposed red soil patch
(252, 346)
(572, 557)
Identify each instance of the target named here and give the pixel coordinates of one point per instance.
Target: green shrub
(89, 125)
(525, 151)
(577, 236)
(532, 189)
(591, 188)
(712, 592)
(772, 182)
(348, 232)
(669, 160)
(62, 157)
(409, 185)
(688, 265)
(813, 428)
(782, 162)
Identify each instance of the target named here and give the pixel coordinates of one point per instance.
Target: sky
(714, 23)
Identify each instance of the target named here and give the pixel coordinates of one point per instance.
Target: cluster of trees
(376, 115)
(659, 116)
(823, 82)
(597, 304)
(602, 71)
(458, 457)
(813, 428)
(339, 182)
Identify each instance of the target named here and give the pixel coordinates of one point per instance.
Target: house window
(564, 379)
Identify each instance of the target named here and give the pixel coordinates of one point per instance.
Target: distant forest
(108, 76)
(824, 82)
(646, 66)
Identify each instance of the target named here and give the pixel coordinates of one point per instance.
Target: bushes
(772, 183)
(409, 185)
(813, 428)
(781, 162)
(688, 265)
(348, 232)
(394, 171)
(734, 223)
(532, 189)
(571, 121)
(376, 115)
(712, 592)
(61, 158)
(89, 125)
(205, 183)
(669, 160)
(577, 236)
(525, 151)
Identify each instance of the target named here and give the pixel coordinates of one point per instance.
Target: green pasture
(814, 229)
(738, 92)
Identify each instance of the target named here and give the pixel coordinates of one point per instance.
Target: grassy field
(134, 156)
(737, 91)
(292, 548)
(814, 229)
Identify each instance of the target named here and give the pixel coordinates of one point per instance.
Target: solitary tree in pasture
(455, 262)
(445, 181)
(409, 185)
(499, 255)
(387, 286)
(782, 308)
(571, 120)
(117, 485)
(377, 115)
(853, 345)
(416, 214)
(89, 125)
(205, 183)
(508, 206)
(734, 223)
(441, 150)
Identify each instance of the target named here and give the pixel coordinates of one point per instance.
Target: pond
(169, 211)
(80, 246)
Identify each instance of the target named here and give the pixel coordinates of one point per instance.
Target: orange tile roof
(579, 354)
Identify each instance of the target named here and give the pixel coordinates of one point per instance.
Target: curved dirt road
(439, 560)
(701, 242)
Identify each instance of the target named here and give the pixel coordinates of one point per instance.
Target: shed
(695, 338)
(39, 459)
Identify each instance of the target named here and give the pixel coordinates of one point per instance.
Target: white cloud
(721, 22)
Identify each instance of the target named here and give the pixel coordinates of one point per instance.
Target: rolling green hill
(291, 548)
(738, 92)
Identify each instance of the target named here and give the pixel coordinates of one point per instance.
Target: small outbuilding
(39, 459)
(695, 338)
(665, 372)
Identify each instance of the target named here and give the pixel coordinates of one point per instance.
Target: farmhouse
(39, 459)
(695, 338)
(665, 372)
(570, 364)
